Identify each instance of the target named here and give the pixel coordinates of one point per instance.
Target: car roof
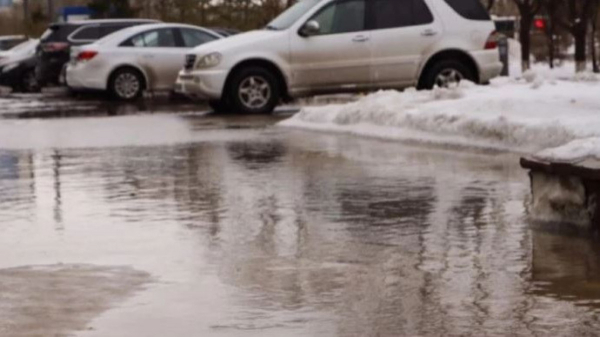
(101, 21)
(140, 28)
(125, 33)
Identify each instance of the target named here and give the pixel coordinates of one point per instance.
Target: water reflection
(329, 235)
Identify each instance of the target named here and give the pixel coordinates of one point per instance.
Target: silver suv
(334, 46)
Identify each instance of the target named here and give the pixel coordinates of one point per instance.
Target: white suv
(333, 46)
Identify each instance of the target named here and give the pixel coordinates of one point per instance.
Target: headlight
(10, 67)
(208, 61)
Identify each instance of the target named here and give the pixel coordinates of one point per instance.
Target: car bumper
(488, 62)
(80, 76)
(201, 84)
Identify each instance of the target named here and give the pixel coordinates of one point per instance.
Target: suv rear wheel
(446, 74)
(126, 84)
(254, 90)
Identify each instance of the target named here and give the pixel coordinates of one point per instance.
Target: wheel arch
(260, 62)
(449, 54)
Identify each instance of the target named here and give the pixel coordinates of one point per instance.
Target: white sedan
(135, 59)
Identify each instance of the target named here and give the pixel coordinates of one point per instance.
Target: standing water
(173, 226)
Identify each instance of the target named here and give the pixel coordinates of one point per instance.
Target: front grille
(190, 61)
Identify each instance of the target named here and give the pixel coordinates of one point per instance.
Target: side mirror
(310, 28)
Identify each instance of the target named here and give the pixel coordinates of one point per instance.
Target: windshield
(290, 16)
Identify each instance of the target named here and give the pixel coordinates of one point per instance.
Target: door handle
(360, 38)
(429, 32)
(148, 56)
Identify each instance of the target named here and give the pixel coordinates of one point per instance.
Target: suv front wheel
(254, 90)
(447, 74)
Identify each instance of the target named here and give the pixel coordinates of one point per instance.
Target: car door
(161, 56)
(338, 56)
(402, 31)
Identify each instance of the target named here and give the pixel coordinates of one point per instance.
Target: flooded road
(203, 225)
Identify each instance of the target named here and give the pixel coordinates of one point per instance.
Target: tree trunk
(51, 10)
(551, 46)
(579, 33)
(26, 16)
(593, 50)
(525, 38)
(595, 66)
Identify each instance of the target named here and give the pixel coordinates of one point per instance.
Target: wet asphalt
(161, 218)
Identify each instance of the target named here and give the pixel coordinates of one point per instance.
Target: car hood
(238, 41)
(24, 51)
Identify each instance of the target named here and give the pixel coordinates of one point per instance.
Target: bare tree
(527, 10)
(51, 12)
(578, 16)
(594, 29)
(552, 11)
(26, 15)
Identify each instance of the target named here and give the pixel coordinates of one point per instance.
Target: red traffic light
(539, 24)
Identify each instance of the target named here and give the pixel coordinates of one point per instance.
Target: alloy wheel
(448, 78)
(254, 92)
(127, 85)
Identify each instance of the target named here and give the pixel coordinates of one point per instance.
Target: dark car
(8, 42)
(21, 77)
(55, 44)
(17, 68)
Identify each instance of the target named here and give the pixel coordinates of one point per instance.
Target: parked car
(17, 67)
(332, 46)
(55, 45)
(140, 58)
(226, 32)
(8, 42)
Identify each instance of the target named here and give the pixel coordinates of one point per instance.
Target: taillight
(86, 55)
(52, 47)
(492, 41)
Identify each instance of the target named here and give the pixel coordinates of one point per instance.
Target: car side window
(345, 16)
(86, 34)
(469, 9)
(385, 14)
(107, 30)
(194, 37)
(160, 38)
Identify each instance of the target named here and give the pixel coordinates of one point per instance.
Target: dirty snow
(526, 114)
(575, 151)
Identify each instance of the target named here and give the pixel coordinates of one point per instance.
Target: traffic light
(540, 24)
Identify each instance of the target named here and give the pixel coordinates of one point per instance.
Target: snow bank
(524, 115)
(575, 151)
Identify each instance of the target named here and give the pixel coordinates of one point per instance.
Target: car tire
(447, 73)
(29, 82)
(254, 90)
(126, 84)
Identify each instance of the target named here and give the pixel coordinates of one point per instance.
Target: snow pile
(524, 115)
(575, 151)
(564, 71)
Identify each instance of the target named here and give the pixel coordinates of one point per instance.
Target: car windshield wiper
(269, 27)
